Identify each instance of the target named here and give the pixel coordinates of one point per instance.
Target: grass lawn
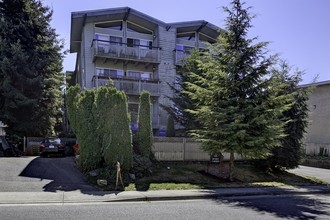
(180, 175)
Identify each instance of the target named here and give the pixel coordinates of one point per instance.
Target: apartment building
(318, 131)
(136, 51)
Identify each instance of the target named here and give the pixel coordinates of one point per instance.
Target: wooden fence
(181, 149)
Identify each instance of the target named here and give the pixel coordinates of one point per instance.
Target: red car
(51, 145)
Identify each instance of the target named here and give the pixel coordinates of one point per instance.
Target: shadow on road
(285, 205)
(62, 172)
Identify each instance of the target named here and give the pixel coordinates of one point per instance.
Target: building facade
(318, 132)
(136, 51)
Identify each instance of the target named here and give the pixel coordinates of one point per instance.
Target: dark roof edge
(327, 82)
(194, 22)
(100, 12)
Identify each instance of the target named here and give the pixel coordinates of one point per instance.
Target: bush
(100, 120)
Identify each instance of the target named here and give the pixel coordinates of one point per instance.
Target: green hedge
(100, 120)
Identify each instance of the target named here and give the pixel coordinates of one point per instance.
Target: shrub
(100, 120)
(144, 133)
(170, 130)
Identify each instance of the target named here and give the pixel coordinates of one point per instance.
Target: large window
(182, 51)
(131, 27)
(103, 42)
(116, 40)
(110, 72)
(116, 25)
(187, 36)
(139, 75)
(141, 43)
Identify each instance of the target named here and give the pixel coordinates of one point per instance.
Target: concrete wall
(318, 131)
(166, 69)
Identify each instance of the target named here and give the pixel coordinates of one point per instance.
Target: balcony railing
(122, 51)
(129, 86)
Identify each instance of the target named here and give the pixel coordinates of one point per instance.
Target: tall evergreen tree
(180, 100)
(236, 102)
(30, 64)
(288, 155)
(144, 133)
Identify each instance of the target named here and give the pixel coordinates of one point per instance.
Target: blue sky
(298, 30)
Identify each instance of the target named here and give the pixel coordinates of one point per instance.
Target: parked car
(51, 145)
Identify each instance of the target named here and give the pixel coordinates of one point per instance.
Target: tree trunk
(231, 166)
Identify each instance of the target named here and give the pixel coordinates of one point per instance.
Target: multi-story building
(318, 131)
(137, 51)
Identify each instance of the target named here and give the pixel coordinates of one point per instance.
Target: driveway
(35, 174)
(319, 173)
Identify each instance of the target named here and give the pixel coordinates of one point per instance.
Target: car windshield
(53, 140)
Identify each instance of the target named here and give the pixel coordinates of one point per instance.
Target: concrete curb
(62, 197)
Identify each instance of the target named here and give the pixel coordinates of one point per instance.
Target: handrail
(119, 43)
(126, 78)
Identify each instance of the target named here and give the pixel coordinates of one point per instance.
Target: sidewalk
(87, 197)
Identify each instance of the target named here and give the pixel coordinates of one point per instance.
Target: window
(102, 42)
(145, 75)
(141, 43)
(133, 74)
(117, 25)
(182, 50)
(115, 40)
(139, 75)
(205, 38)
(109, 72)
(186, 36)
(131, 27)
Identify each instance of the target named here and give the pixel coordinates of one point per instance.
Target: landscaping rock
(93, 173)
(101, 182)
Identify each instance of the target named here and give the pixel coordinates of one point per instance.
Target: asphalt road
(35, 174)
(254, 207)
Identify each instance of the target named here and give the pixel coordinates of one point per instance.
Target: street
(252, 207)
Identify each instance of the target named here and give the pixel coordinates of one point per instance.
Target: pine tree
(236, 103)
(180, 100)
(288, 155)
(30, 64)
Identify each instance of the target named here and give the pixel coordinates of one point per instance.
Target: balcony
(121, 51)
(129, 86)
